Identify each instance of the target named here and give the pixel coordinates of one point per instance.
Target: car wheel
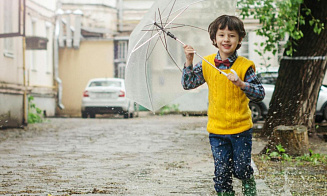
(325, 114)
(126, 115)
(84, 115)
(319, 119)
(131, 115)
(256, 112)
(92, 115)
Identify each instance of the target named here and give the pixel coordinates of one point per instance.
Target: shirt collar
(231, 58)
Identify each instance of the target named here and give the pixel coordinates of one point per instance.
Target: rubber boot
(230, 193)
(249, 187)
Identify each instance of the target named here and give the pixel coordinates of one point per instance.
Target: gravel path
(149, 155)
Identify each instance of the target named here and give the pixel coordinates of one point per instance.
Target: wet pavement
(148, 155)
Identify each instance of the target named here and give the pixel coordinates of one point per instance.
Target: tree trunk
(294, 139)
(298, 84)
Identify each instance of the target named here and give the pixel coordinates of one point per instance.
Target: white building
(26, 59)
(39, 60)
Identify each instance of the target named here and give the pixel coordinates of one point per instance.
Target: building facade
(85, 48)
(39, 25)
(26, 60)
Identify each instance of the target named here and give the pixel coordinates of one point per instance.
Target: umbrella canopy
(155, 60)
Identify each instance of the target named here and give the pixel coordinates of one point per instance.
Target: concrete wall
(93, 59)
(11, 71)
(12, 113)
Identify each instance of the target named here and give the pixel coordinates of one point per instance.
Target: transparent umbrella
(155, 53)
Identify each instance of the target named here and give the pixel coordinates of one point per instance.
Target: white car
(106, 96)
(268, 80)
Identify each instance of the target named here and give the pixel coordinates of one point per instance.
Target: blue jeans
(232, 156)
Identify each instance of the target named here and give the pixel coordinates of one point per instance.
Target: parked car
(268, 79)
(106, 96)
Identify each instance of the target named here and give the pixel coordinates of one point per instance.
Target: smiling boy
(229, 117)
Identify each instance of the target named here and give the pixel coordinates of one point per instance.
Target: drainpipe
(59, 13)
(77, 33)
(25, 104)
(68, 30)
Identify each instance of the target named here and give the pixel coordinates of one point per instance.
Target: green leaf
(279, 18)
(274, 154)
(280, 148)
(311, 22)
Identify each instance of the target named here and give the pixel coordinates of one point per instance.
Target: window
(8, 28)
(121, 70)
(122, 50)
(106, 83)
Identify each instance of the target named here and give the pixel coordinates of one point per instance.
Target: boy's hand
(233, 77)
(189, 54)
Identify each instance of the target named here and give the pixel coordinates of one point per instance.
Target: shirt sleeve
(253, 87)
(192, 76)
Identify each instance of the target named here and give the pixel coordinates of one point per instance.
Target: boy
(229, 117)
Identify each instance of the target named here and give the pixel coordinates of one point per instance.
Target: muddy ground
(149, 155)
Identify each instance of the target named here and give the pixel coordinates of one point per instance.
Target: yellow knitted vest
(228, 111)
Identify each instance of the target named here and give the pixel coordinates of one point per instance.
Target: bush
(34, 113)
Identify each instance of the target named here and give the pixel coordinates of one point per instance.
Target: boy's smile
(227, 42)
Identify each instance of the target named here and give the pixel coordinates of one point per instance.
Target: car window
(105, 83)
(268, 77)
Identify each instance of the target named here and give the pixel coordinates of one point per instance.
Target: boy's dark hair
(232, 22)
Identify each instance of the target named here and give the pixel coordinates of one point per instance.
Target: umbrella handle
(232, 70)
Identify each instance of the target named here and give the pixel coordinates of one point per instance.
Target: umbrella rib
(155, 28)
(146, 71)
(148, 55)
(185, 25)
(164, 42)
(159, 19)
(153, 35)
(176, 16)
(172, 58)
(183, 10)
(171, 10)
(178, 26)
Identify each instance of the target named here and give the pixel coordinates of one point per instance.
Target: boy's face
(227, 42)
